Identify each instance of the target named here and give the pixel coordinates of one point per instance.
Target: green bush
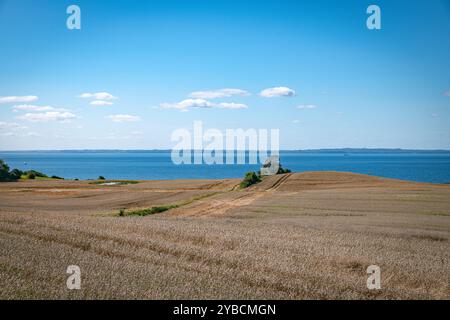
(250, 179)
(16, 174)
(101, 178)
(35, 173)
(6, 175)
(56, 177)
(281, 170)
(152, 210)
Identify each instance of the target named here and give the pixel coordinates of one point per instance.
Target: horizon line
(226, 150)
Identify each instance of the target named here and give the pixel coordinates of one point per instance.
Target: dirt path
(222, 203)
(280, 181)
(219, 206)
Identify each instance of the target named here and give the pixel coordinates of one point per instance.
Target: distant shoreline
(338, 150)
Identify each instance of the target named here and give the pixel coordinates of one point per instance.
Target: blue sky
(164, 64)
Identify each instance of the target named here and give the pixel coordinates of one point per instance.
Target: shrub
(6, 175)
(16, 174)
(281, 170)
(101, 178)
(250, 179)
(152, 210)
(56, 177)
(35, 173)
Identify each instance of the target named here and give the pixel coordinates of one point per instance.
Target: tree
(4, 171)
(16, 174)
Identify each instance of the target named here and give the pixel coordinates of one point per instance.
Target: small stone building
(270, 166)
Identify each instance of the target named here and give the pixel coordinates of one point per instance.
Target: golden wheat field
(295, 236)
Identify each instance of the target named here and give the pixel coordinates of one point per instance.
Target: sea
(157, 164)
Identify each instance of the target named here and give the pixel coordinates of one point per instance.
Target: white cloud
(194, 103)
(18, 99)
(29, 107)
(100, 103)
(307, 106)
(188, 103)
(447, 93)
(277, 92)
(98, 96)
(123, 118)
(232, 105)
(295, 121)
(201, 103)
(221, 93)
(62, 116)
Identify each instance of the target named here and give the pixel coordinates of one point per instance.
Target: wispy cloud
(98, 96)
(188, 103)
(447, 93)
(61, 116)
(30, 107)
(17, 99)
(307, 106)
(277, 92)
(19, 134)
(115, 136)
(11, 126)
(12, 129)
(232, 105)
(221, 93)
(185, 105)
(123, 118)
(100, 103)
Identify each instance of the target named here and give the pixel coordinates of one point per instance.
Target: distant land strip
(338, 150)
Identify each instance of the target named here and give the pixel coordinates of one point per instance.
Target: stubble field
(296, 236)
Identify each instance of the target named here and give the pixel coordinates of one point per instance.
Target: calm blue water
(158, 165)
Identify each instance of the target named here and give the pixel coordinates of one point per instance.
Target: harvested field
(295, 236)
